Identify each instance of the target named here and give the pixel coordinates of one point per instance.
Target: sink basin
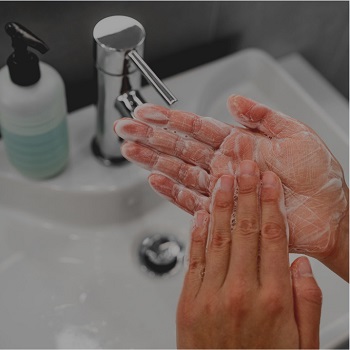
(69, 265)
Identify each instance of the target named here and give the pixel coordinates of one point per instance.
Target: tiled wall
(203, 30)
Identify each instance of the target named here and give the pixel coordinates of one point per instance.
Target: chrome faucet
(118, 55)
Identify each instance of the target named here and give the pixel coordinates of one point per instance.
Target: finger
(219, 245)
(188, 200)
(240, 144)
(274, 261)
(245, 239)
(257, 116)
(307, 303)
(196, 267)
(189, 175)
(207, 130)
(191, 151)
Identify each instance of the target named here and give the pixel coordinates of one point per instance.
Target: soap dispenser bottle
(32, 108)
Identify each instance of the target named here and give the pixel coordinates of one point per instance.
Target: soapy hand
(239, 291)
(187, 154)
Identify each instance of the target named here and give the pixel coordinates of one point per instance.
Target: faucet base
(112, 161)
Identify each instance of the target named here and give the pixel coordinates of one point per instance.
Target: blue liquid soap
(40, 156)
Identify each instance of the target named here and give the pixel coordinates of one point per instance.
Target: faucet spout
(151, 77)
(119, 46)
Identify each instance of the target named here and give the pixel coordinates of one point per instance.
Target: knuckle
(149, 131)
(220, 239)
(223, 202)
(312, 295)
(270, 195)
(194, 265)
(154, 160)
(247, 226)
(186, 318)
(183, 171)
(198, 238)
(200, 203)
(210, 308)
(273, 231)
(236, 299)
(184, 198)
(205, 305)
(273, 302)
(248, 185)
(248, 188)
(176, 192)
(196, 125)
(236, 303)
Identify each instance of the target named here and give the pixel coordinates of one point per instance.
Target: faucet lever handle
(151, 77)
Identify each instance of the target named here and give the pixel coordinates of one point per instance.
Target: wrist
(338, 259)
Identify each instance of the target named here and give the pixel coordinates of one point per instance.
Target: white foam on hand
(194, 152)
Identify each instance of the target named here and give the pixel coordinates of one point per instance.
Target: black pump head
(23, 64)
(21, 36)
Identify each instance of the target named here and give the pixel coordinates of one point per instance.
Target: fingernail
(118, 124)
(247, 167)
(150, 112)
(226, 183)
(304, 268)
(114, 125)
(232, 101)
(269, 179)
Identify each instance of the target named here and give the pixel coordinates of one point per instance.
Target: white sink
(69, 246)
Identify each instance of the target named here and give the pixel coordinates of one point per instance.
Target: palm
(312, 178)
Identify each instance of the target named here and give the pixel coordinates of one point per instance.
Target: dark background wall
(181, 35)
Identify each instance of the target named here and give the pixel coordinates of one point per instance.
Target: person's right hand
(188, 153)
(239, 292)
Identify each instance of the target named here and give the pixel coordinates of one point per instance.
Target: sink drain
(161, 254)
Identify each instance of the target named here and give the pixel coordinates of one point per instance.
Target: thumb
(257, 116)
(307, 303)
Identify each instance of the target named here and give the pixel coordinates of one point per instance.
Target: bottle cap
(23, 64)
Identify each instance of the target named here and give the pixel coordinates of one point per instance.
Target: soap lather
(119, 44)
(33, 108)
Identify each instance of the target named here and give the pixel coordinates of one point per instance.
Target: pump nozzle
(22, 36)
(23, 64)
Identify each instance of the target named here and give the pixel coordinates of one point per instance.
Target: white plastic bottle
(32, 109)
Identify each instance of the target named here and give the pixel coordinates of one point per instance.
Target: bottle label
(38, 156)
(31, 125)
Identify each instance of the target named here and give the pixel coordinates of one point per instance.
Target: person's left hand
(238, 293)
(187, 154)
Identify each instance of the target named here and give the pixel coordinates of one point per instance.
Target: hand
(239, 293)
(193, 152)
